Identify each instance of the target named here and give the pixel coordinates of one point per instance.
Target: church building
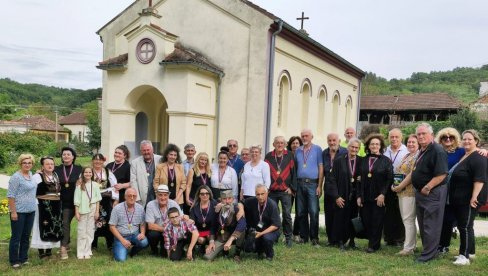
(205, 71)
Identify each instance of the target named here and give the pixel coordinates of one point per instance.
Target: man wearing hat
(157, 218)
(228, 229)
(263, 219)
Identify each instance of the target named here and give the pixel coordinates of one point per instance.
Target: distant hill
(17, 98)
(462, 83)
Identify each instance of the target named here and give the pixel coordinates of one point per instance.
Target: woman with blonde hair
(22, 205)
(198, 176)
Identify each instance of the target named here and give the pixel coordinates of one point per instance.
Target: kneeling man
(262, 215)
(228, 229)
(128, 226)
(177, 235)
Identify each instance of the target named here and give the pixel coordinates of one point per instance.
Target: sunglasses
(449, 137)
(205, 194)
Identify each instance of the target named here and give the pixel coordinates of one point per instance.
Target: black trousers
(103, 232)
(373, 218)
(156, 239)
(342, 229)
(393, 229)
(447, 225)
(266, 242)
(465, 216)
(329, 211)
(178, 253)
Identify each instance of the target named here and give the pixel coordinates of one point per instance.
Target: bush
(14, 144)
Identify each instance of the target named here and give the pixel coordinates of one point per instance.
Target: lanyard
(163, 217)
(393, 159)
(66, 177)
(171, 173)
(99, 178)
(261, 212)
(118, 167)
(129, 220)
(306, 153)
(204, 216)
(204, 179)
(421, 154)
(352, 167)
(370, 165)
(278, 164)
(91, 192)
(148, 166)
(221, 175)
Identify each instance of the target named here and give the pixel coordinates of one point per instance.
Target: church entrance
(151, 119)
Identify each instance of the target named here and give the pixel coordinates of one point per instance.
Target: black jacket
(339, 184)
(381, 178)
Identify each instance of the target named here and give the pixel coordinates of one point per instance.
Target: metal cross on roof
(302, 19)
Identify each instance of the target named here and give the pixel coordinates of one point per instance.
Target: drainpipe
(217, 111)
(267, 129)
(359, 103)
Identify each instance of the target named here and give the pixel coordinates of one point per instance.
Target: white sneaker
(472, 256)
(461, 260)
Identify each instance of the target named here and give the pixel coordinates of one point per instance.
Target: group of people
(181, 209)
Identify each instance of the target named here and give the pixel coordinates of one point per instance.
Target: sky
(54, 43)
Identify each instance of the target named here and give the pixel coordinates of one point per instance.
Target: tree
(464, 119)
(95, 134)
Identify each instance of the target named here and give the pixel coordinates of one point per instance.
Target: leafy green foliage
(95, 134)
(462, 83)
(465, 119)
(14, 144)
(17, 99)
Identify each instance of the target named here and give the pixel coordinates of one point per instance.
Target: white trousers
(408, 212)
(86, 232)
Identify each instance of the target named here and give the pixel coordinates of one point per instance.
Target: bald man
(393, 228)
(310, 177)
(328, 156)
(351, 133)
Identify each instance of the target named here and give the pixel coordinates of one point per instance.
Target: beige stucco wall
(237, 44)
(76, 129)
(302, 65)
(233, 36)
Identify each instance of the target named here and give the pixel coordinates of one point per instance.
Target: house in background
(481, 105)
(36, 124)
(407, 109)
(78, 124)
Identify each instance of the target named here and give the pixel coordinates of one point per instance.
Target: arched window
(306, 94)
(322, 107)
(336, 101)
(141, 127)
(347, 121)
(284, 88)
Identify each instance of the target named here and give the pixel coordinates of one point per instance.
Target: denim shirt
(24, 193)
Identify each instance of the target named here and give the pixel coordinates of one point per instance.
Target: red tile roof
(76, 118)
(421, 101)
(119, 60)
(182, 55)
(41, 123)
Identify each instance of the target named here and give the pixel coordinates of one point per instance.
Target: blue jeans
(120, 252)
(308, 205)
(266, 242)
(19, 243)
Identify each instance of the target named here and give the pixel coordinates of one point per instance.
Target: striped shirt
(121, 217)
(172, 233)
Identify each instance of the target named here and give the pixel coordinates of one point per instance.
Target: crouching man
(263, 221)
(228, 229)
(177, 234)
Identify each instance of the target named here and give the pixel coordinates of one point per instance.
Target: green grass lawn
(300, 259)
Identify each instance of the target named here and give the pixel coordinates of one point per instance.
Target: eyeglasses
(232, 146)
(204, 194)
(449, 137)
(130, 195)
(26, 163)
(175, 217)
